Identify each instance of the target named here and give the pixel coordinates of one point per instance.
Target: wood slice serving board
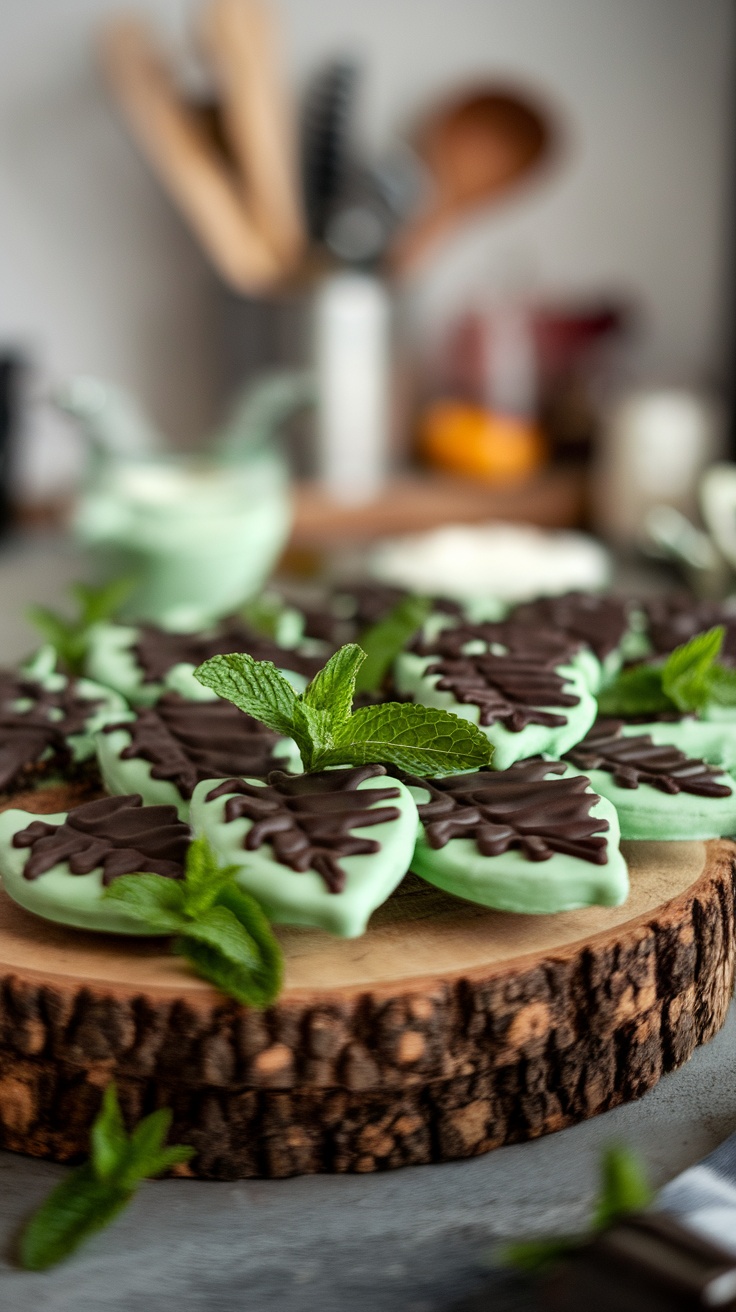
(445, 1031)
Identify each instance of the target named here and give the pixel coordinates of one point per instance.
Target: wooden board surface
(445, 1031)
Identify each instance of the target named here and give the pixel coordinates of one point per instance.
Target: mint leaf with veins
(255, 687)
(92, 1195)
(222, 931)
(420, 739)
(333, 688)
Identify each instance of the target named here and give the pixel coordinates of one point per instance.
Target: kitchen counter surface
(417, 1240)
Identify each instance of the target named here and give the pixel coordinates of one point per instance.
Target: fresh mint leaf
(420, 739)
(332, 690)
(108, 1139)
(383, 641)
(103, 602)
(76, 1208)
(536, 1255)
(144, 1148)
(91, 1196)
(256, 687)
(687, 671)
(624, 1190)
(70, 637)
(204, 878)
(242, 959)
(624, 1187)
(637, 691)
(157, 901)
(221, 931)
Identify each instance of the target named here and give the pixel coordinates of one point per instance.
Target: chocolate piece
(519, 807)
(158, 651)
(117, 833)
(190, 741)
(308, 818)
(601, 622)
(673, 620)
(634, 761)
(26, 735)
(510, 682)
(355, 606)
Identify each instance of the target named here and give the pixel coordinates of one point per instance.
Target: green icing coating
(707, 740)
(510, 882)
(75, 900)
(134, 775)
(301, 897)
(534, 739)
(645, 812)
(111, 661)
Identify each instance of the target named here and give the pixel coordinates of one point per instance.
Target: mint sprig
(70, 637)
(624, 1190)
(383, 641)
(421, 739)
(222, 931)
(92, 1195)
(689, 680)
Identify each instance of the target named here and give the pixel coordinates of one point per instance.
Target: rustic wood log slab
(446, 1031)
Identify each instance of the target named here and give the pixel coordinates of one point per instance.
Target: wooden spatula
(240, 41)
(184, 158)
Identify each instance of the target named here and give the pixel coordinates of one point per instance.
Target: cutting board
(445, 1031)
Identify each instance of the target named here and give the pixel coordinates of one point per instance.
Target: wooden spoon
(185, 159)
(240, 40)
(474, 149)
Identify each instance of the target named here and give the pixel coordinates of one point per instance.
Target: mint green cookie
(302, 897)
(520, 814)
(534, 739)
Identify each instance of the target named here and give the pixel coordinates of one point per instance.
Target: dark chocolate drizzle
(676, 618)
(27, 735)
(637, 760)
(117, 833)
(158, 651)
(308, 818)
(508, 688)
(601, 622)
(190, 741)
(516, 808)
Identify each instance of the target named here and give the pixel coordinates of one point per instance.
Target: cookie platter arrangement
(437, 876)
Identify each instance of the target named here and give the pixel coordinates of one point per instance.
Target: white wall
(97, 274)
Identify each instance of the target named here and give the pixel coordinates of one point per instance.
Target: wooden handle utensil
(185, 160)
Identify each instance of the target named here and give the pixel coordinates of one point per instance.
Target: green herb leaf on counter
(92, 1195)
(624, 1190)
(70, 637)
(383, 641)
(222, 932)
(689, 680)
(417, 738)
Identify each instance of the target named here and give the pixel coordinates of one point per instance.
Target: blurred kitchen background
(474, 260)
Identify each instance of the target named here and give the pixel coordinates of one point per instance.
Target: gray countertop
(419, 1240)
